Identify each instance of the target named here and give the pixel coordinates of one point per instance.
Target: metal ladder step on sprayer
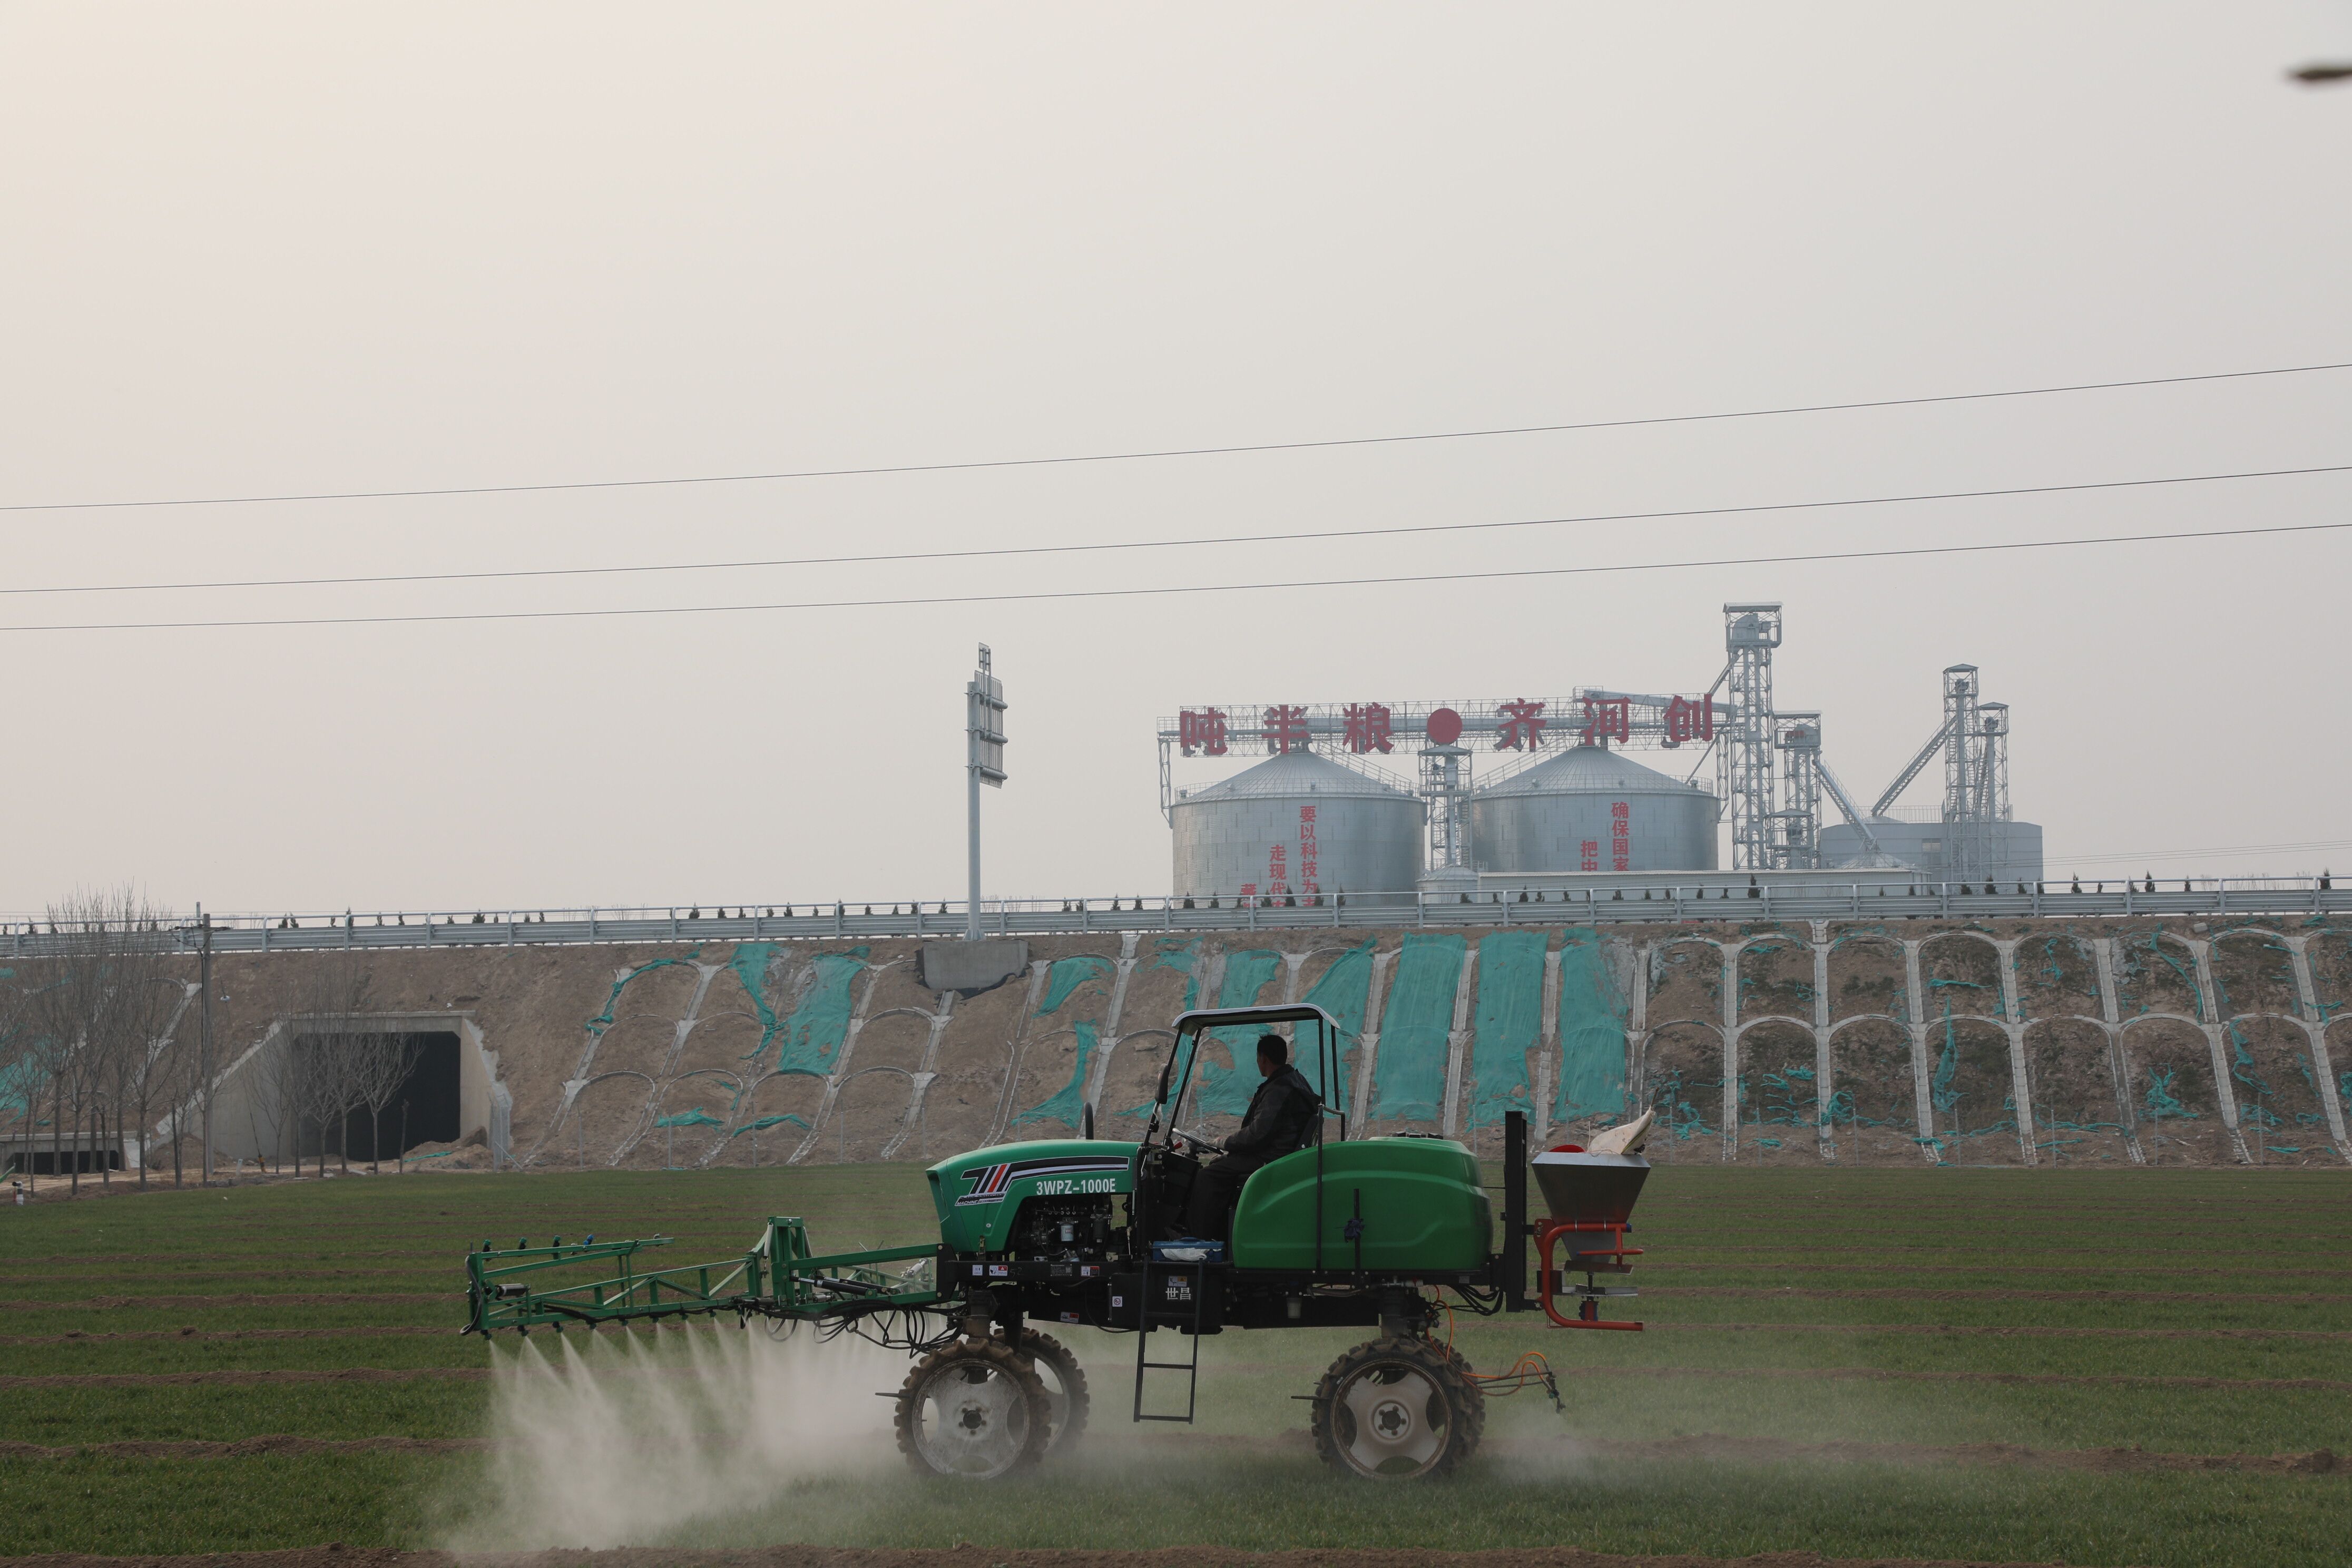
(1167, 1283)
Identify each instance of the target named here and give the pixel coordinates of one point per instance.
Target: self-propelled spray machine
(1349, 1231)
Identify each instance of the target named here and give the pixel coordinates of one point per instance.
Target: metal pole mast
(971, 889)
(205, 1035)
(984, 763)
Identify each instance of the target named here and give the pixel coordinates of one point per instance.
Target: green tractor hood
(976, 1194)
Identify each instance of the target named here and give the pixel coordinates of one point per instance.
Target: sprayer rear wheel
(1065, 1387)
(975, 1410)
(1396, 1409)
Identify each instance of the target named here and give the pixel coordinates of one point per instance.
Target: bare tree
(340, 1046)
(174, 1081)
(383, 1059)
(97, 1007)
(147, 1058)
(276, 1083)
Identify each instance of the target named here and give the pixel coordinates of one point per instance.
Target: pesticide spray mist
(623, 1439)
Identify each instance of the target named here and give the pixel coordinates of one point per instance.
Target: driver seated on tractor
(1281, 1118)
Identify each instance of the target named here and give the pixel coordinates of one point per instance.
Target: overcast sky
(255, 249)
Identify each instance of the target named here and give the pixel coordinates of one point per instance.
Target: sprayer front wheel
(1065, 1387)
(974, 1409)
(1396, 1409)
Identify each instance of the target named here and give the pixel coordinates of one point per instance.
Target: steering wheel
(1198, 1140)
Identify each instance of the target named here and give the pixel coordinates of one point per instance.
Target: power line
(1097, 546)
(1174, 451)
(1066, 593)
(2211, 849)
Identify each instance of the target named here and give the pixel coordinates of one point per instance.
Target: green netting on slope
(1787, 1097)
(2261, 1110)
(1066, 1105)
(1067, 975)
(1941, 1095)
(1183, 955)
(1409, 1079)
(749, 963)
(767, 1121)
(1343, 991)
(1505, 1021)
(1223, 1089)
(689, 1119)
(2130, 971)
(1593, 1013)
(812, 1034)
(604, 1020)
(1677, 1095)
(2160, 1102)
(1792, 996)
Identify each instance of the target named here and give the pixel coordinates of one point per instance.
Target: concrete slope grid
(2015, 1043)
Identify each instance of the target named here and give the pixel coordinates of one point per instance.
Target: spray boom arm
(778, 1277)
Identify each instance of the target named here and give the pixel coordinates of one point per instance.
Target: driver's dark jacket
(1281, 1117)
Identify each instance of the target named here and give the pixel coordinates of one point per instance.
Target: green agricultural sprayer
(1345, 1232)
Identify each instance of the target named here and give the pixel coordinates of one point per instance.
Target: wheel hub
(975, 1422)
(1391, 1432)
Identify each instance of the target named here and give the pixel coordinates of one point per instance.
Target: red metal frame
(1607, 1260)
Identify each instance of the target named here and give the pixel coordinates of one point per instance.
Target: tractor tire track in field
(1711, 1448)
(81, 1337)
(2023, 1379)
(252, 1376)
(198, 1303)
(335, 1274)
(1799, 1266)
(2020, 1332)
(257, 1376)
(1993, 1293)
(967, 1556)
(244, 1449)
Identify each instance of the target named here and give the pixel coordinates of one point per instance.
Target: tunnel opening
(423, 1110)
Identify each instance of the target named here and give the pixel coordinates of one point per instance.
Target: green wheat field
(1829, 1354)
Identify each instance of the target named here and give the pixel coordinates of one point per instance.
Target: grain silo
(1592, 809)
(1295, 823)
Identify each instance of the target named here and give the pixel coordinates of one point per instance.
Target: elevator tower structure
(1751, 633)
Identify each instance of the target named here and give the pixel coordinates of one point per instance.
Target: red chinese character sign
(1367, 727)
(1621, 835)
(1285, 727)
(1203, 730)
(1521, 727)
(1690, 719)
(1607, 719)
(1307, 873)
